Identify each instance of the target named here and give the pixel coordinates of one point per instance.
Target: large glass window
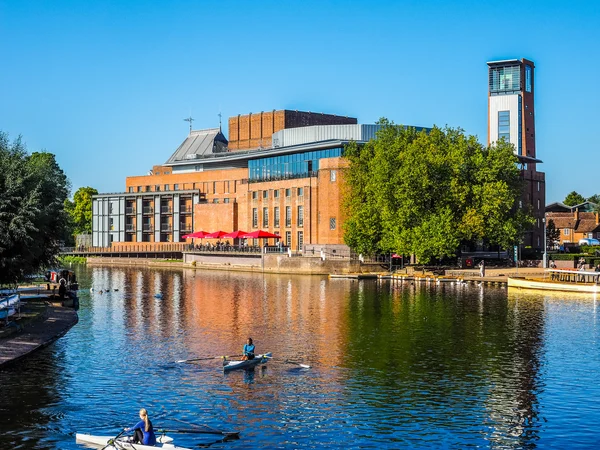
(288, 216)
(504, 125)
(300, 216)
(505, 79)
(276, 214)
(265, 217)
(297, 165)
(528, 78)
(255, 217)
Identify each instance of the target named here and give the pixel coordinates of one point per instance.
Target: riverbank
(39, 326)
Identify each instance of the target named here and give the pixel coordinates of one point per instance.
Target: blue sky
(106, 85)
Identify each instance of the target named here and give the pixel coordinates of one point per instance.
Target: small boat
(9, 306)
(122, 443)
(234, 365)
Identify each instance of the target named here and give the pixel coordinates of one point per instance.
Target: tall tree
(80, 210)
(574, 198)
(594, 199)
(424, 193)
(32, 217)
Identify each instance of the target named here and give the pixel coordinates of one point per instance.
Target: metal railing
(147, 228)
(147, 210)
(129, 210)
(129, 227)
(166, 210)
(166, 228)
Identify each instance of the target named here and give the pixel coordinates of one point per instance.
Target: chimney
(576, 214)
(597, 221)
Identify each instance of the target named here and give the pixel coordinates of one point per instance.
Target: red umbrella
(215, 235)
(197, 235)
(261, 234)
(235, 234)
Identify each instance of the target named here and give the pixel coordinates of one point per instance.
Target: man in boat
(144, 432)
(248, 352)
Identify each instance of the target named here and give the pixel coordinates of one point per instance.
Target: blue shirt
(149, 437)
(249, 349)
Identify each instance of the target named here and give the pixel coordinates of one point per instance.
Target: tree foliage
(422, 193)
(80, 210)
(574, 198)
(552, 234)
(33, 222)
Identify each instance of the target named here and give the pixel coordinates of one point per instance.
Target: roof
(585, 224)
(200, 143)
(586, 206)
(557, 207)
(504, 62)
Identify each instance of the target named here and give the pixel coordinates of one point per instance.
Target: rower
(248, 352)
(144, 432)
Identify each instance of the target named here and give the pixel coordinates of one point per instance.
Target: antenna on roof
(219, 120)
(190, 120)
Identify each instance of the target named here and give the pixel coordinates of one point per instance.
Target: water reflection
(394, 365)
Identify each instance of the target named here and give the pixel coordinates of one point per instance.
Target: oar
(207, 358)
(196, 431)
(287, 361)
(112, 441)
(196, 426)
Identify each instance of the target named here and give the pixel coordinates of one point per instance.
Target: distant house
(575, 225)
(561, 207)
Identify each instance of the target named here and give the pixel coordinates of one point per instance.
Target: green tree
(80, 210)
(573, 199)
(595, 199)
(424, 193)
(552, 234)
(32, 217)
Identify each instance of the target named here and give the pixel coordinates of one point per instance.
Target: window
(214, 187)
(288, 216)
(265, 217)
(332, 223)
(300, 192)
(254, 195)
(167, 188)
(333, 175)
(288, 192)
(225, 200)
(527, 78)
(130, 188)
(288, 238)
(139, 189)
(538, 203)
(538, 185)
(276, 215)
(254, 217)
(566, 231)
(276, 193)
(504, 125)
(300, 240)
(300, 216)
(265, 195)
(147, 188)
(157, 188)
(226, 187)
(215, 200)
(175, 187)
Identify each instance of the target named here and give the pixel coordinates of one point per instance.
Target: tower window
(504, 125)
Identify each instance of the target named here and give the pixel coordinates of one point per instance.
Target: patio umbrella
(197, 235)
(215, 235)
(261, 234)
(235, 234)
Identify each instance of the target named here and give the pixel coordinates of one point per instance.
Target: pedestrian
(482, 268)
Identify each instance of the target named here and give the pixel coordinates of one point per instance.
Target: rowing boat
(163, 441)
(235, 365)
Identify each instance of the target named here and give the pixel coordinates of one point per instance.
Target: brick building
(290, 187)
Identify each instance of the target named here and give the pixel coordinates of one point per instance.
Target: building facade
(511, 116)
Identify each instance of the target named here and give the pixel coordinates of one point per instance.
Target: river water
(393, 366)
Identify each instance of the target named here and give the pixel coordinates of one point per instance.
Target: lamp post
(545, 263)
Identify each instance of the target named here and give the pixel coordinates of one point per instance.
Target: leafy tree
(424, 193)
(594, 199)
(552, 234)
(32, 217)
(573, 199)
(80, 210)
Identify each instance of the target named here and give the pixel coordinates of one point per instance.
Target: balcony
(183, 209)
(148, 210)
(185, 228)
(166, 227)
(147, 228)
(130, 227)
(166, 210)
(129, 210)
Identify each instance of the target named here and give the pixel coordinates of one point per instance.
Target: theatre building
(278, 172)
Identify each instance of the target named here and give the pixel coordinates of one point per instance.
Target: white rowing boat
(9, 306)
(121, 443)
(235, 365)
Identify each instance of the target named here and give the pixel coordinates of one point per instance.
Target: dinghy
(235, 365)
(122, 443)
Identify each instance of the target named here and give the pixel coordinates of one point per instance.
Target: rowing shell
(122, 444)
(235, 365)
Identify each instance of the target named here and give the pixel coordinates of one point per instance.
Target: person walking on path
(482, 268)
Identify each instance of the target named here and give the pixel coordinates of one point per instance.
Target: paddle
(207, 358)
(226, 433)
(112, 441)
(196, 431)
(287, 361)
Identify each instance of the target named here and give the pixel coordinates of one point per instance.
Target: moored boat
(123, 444)
(246, 364)
(563, 280)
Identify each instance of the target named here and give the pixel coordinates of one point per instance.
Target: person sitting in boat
(144, 432)
(248, 352)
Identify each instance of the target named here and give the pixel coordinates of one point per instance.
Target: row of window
(288, 193)
(288, 217)
(213, 187)
(289, 166)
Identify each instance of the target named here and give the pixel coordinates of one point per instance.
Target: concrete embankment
(51, 323)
